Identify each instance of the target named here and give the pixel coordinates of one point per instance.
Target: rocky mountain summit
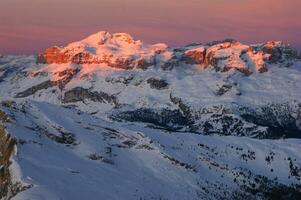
(202, 121)
(120, 50)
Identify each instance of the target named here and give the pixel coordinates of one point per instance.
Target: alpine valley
(110, 117)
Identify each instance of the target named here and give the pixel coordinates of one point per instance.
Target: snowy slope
(108, 160)
(109, 117)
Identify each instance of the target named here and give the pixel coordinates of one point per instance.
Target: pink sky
(29, 26)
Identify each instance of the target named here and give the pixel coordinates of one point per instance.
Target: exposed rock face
(194, 56)
(265, 122)
(274, 50)
(145, 63)
(281, 120)
(8, 188)
(169, 119)
(58, 57)
(256, 59)
(170, 64)
(7, 146)
(123, 63)
(34, 89)
(80, 94)
(271, 121)
(82, 58)
(279, 52)
(54, 55)
(223, 89)
(210, 58)
(3, 117)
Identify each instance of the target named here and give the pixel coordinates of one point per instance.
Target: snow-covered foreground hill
(63, 153)
(109, 117)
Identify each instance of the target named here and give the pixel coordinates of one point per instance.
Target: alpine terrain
(110, 117)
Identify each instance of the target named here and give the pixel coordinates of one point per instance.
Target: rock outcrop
(268, 122)
(157, 83)
(7, 146)
(195, 56)
(279, 52)
(168, 119)
(81, 94)
(8, 186)
(63, 78)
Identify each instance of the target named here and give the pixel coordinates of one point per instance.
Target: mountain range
(110, 117)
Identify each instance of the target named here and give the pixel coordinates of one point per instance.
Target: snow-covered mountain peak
(96, 39)
(106, 38)
(120, 50)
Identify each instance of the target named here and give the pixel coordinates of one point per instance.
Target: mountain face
(120, 50)
(110, 117)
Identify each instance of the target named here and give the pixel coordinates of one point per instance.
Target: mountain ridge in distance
(120, 50)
